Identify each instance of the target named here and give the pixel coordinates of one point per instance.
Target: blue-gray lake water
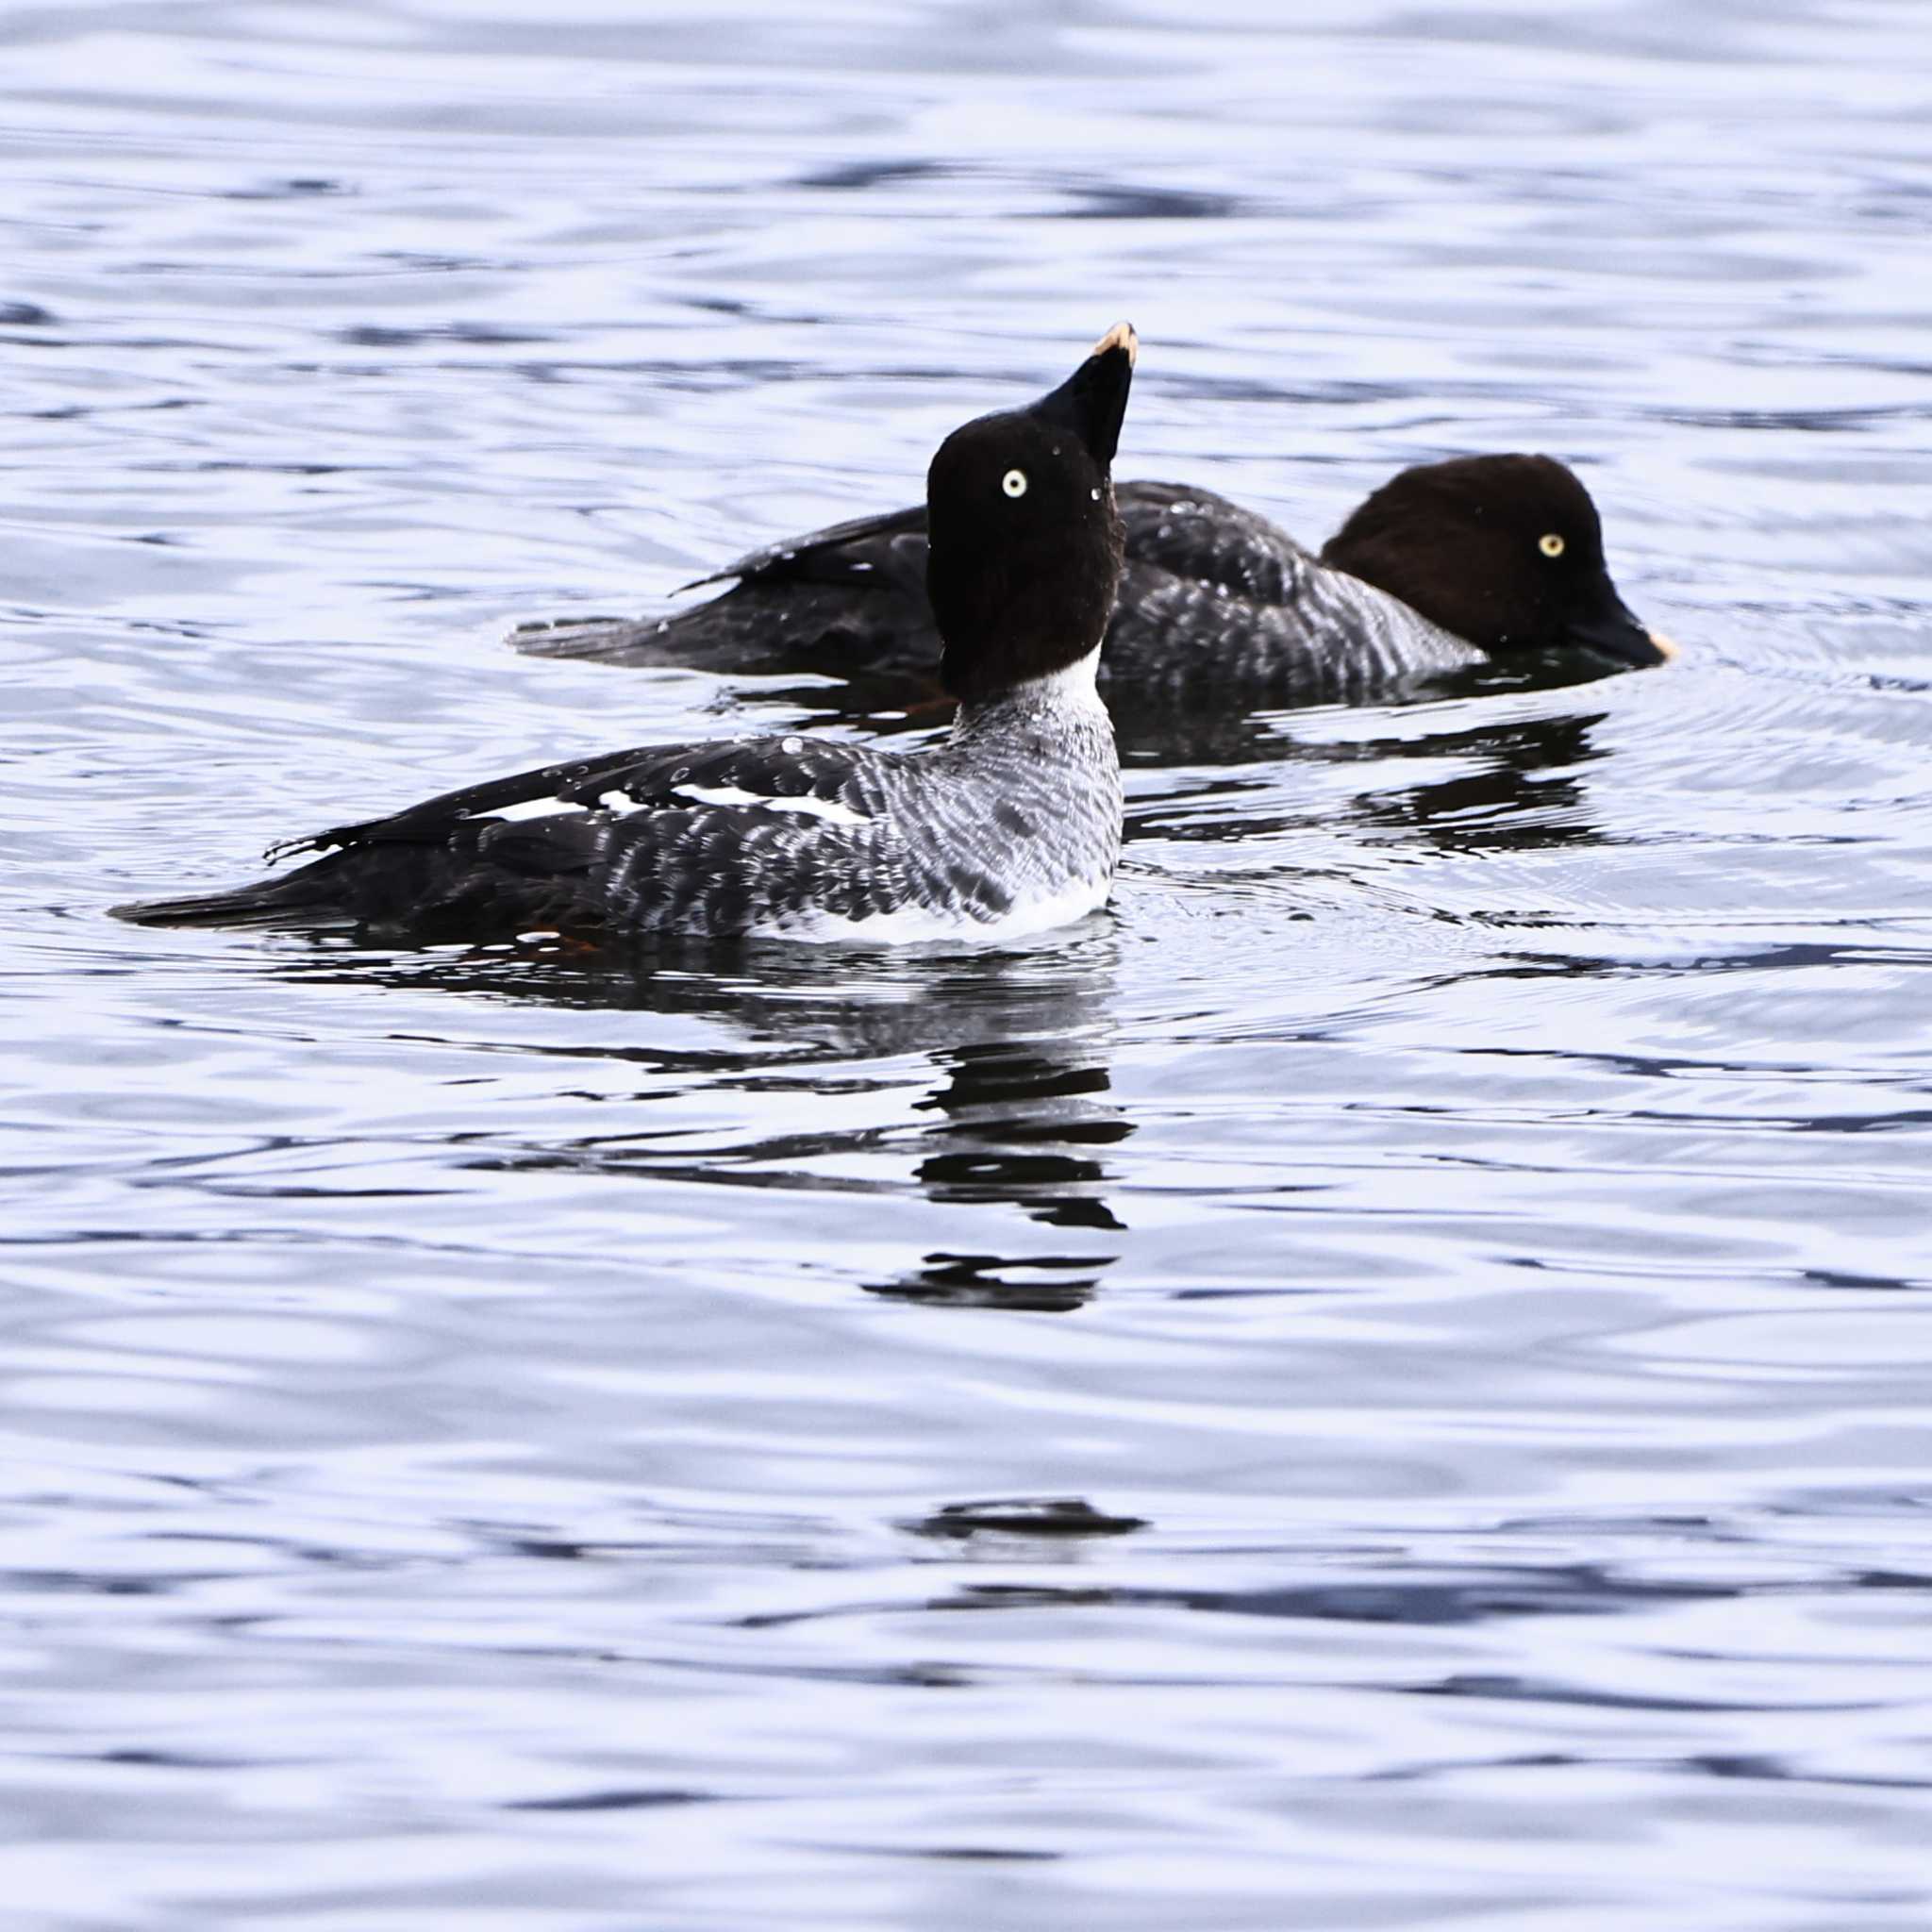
(1383, 1383)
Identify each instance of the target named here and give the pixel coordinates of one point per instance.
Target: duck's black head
(1506, 552)
(1024, 542)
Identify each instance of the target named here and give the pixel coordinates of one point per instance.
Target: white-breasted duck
(1011, 824)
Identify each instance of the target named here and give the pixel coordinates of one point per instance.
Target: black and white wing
(808, 776)
(1219, 605)
(842, 601)
(1195, 534)
(695, 838)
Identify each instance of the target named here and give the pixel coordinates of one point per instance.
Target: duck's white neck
(1072, 684)
(1071, 688)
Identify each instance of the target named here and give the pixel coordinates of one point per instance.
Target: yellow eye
(1014, 482)
(1551, 545)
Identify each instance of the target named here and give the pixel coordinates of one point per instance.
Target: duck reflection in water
(1018, 1114)
(1514, 784)
(1521, 789)
(1026, 1123)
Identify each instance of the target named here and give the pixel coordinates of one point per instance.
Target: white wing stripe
(530, 809)
(829, 808)
(620, 801)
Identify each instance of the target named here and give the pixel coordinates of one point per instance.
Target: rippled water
(1382, 1384)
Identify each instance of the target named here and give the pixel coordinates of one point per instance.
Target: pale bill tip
(1666, 648)
(1121, 335)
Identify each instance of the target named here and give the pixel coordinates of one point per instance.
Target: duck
(1448, 567)
(1010, 825)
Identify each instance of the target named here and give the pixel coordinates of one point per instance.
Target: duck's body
(1011, 826)
(1216, 604)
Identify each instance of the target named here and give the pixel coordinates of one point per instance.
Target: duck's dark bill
(1613, 630)
(1093, 401)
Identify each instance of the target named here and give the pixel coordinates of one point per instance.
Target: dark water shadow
(1435, 1598)
(1024, 1520)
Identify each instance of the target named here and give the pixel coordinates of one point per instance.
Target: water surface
(1382, 1383)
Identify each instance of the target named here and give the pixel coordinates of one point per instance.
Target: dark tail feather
(602, 640)
(724, 634)
(307, 896)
